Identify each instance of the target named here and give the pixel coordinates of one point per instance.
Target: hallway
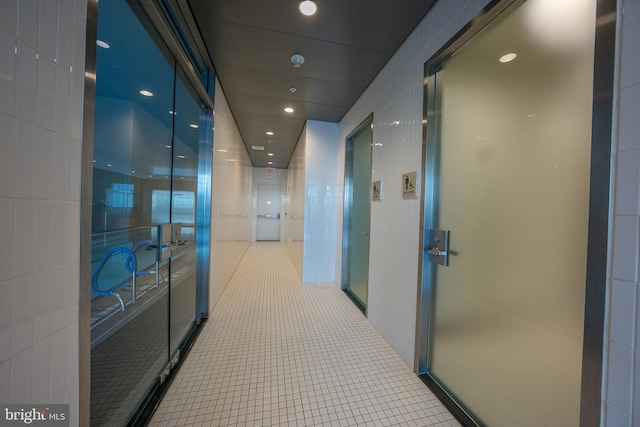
(276, 352)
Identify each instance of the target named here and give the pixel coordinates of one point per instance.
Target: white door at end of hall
(268, 208)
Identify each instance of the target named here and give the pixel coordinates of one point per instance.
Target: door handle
(438, 238)
(436, 252)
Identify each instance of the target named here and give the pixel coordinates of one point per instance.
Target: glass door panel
(183, 212)
(357, 215)
(145, 174)
(513, 158)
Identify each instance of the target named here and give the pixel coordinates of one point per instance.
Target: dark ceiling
(345, 44)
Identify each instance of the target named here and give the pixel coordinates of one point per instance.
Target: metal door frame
(347, 211)
(599, 207)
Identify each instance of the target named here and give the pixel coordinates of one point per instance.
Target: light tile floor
(276, 352)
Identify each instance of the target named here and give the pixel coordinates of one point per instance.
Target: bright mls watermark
(35, 415)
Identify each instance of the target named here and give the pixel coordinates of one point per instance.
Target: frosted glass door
(357, 216)
(513, 157)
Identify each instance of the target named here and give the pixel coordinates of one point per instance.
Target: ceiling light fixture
(146, 93)
(102, 44)
(270, 133)
(508, 57)
(270, 154)
(257, 147)
(297, 60)
(308, 8)
(289, 110)
(193, 125)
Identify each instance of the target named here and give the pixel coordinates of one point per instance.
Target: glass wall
(147, 137)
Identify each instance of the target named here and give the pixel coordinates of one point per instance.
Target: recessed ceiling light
(289, 110)
(146, 93)
(270, 154)
(193, 125)
(102, 44)
(269, 163)
(270, 133)
(258, 147)
(508, 57)
(308, 8)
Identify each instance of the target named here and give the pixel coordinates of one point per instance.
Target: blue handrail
(134, 250)
(131, 265)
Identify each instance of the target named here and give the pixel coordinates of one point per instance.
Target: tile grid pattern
(622, 371)
(42, 55)
(276, 352)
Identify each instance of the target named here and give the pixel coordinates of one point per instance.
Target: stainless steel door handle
(438, 238)
(436, 252)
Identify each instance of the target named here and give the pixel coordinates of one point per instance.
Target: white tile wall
(39, 194)
(395, 99)
(231, 198)
(294, 206)
(622, 374)
(321, 200)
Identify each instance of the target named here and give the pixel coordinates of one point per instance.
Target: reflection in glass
(145, 174)
(183, 204)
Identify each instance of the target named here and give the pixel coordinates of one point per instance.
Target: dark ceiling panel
(247, 119)
(260, 49)
(275, 107)
(372, 25)
(345, 45)
(269, 83)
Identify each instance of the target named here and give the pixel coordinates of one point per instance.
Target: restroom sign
(409, 185)
(377, 188)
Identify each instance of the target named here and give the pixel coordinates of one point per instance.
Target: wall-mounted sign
(409, 185)
(377, 190)
(271, 170)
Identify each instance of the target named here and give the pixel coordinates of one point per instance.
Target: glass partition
(147, 130)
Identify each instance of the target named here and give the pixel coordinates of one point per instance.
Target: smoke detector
(297, 60)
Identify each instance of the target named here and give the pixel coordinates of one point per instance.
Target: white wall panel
(294, 205)
(231, 198)
(39, 198)
(622, 346)
(321, 199)
(395, 99)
